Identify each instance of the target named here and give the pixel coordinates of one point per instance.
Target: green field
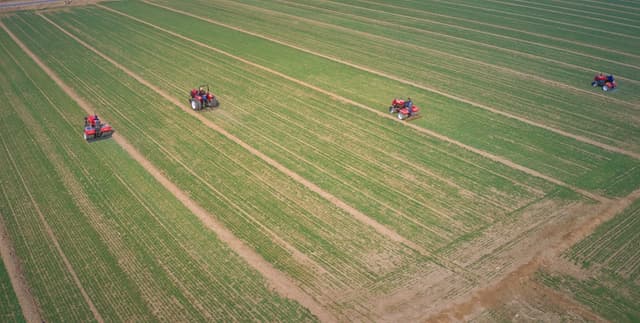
(301, 198)
(612, 254)
(10, 309)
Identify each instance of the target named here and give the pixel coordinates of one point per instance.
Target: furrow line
(372, 71)
(565, 240)
(442, 53)
(570, 25)
(507, 50)
(28, 304)
(431, 133)
(74, 187)
(363, 143)
(311, 186)
(488, 25)
(611, 4)
(436, 209)
(404, 17)
(276, 279)
(48, 229)
(363, 218)
(603, 21)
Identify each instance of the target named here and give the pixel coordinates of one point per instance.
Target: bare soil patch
(282, 284)
(28, 304)
(398, 79)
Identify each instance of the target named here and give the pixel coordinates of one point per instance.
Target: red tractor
(94, 128)
(404, 108)
(607, 83)
(201, 98)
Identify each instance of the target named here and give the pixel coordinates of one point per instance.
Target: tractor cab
(405, 109)
(94, 128)
(202, 97)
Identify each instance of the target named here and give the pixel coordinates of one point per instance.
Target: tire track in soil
(276, 279)
(309, 185)
(48, 229)
(570, 25)
(609, 20)
(74, 187)
(489, 25)
(608, 4)
(30, 309)
(296, 253)
(495, 293)
(372, 71)
(363, 218)
(28, 304)
(439, 53)
(431, 133)
(507, 50)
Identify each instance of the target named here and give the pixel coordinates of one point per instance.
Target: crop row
(608, 295)
(253, 200)
(563, 158)
(9, 306)
(591, 27)
(348, 157)
(614, 245)
(138, 256)
(498, 34)
(467, 70)
(531, 88)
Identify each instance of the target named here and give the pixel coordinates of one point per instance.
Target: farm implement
(94, 128)
(405, 109)
(201, 98)
(608, 83)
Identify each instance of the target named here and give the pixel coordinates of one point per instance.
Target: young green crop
(563, 158)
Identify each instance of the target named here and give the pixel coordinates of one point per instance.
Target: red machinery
(405, 109)
(94, 128)
(201, 98)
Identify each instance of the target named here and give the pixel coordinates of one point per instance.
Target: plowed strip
(52, 236)
(565, 11)
(546, 20)
(566, 240)
(438, 52)
(311, 186)
(526, 32)
(431, 133)
(379, 73)
(503, 49)
(30, 309)
(276, 279)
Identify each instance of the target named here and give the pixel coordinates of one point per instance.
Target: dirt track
(30, 309)
(395, 78)
(276, 279)
(283, 284)
(67, 264)
(483, 153)
(496, 293)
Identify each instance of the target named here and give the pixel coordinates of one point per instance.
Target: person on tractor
(599, 80)
(409, 105)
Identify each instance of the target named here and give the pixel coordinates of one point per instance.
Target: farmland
(301, 198)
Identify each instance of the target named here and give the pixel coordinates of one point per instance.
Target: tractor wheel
(392, 109)
(605, 88)
(195, 105)
(85, 136)
(214, 102)
(401, 116)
